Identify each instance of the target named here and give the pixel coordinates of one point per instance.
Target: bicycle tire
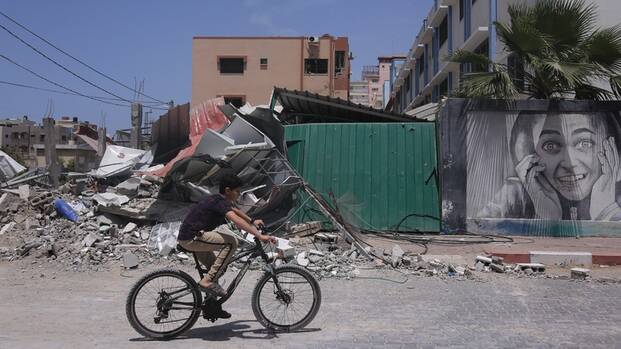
(133, 293)
(256, 304)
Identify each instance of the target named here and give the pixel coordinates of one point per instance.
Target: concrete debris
(326, 237)
(580, 273)
(90, 239)
(110, 199)
(304, 229)
(129, 228)
(130, 260)
(129, 187)
(7, 227)
(24, 192)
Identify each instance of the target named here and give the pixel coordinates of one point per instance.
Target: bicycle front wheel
(163, 304)
(291, 307)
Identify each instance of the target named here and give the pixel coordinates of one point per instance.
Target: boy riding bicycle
(198, 232)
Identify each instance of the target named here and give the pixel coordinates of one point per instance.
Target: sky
(152, 40)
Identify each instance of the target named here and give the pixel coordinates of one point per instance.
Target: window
(40, 152)
(63, 139)
(237, 101)
(443, 31)
(41, 138)
(515, 67)
(407, 84)
(421, 64)
(234, 65)
(461, 9)
(339, 62)
(444, 90)
(263, 63)
(315, 66)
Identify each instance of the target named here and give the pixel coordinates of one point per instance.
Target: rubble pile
(36, 229)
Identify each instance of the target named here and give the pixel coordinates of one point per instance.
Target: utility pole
(101, 141)
(51, 158)
(136, 132)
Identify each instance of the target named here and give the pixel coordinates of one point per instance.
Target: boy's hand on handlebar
(267, 238)
(258, 223)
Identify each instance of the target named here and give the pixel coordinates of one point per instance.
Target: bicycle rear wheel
(292, 308)
(163, 304)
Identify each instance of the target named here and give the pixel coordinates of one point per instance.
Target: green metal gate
(380, 173)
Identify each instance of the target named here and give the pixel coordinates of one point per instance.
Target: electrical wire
(78, 60)
(50, 90)
(59, 85)
(62, 66)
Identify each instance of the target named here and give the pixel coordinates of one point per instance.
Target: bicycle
(277, 291)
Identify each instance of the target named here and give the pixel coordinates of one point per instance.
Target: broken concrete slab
(130, 260)
(534, 267)
(130, 227)
(90, 239)
(305, 229)
(580, 273)
(7, 227)
(484, 260)
(110, 199)
(129, 187)
(499, 268)
(302, 260)
(24, 192)
(446, 259)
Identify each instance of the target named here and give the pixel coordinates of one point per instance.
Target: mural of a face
(568, 147)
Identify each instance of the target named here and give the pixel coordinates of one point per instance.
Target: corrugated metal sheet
(380, 172)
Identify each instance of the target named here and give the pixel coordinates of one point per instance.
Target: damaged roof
(312, 107)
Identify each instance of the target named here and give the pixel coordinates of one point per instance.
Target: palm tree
(562, 53)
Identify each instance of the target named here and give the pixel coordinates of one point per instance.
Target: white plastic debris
(163, 237)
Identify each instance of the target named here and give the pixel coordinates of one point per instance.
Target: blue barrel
(65, 210)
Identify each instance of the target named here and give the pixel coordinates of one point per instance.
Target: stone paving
(87, 310)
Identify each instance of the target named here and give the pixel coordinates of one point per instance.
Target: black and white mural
(554, 166)
(537, 169)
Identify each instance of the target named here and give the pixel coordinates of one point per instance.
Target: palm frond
(615, 85)
(463, 56)
(603, 48)
(496, 84)
(566, 22)
(592, 92)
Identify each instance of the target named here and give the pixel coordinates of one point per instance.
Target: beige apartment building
(246, 69)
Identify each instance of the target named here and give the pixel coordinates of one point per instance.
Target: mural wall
(539, 169)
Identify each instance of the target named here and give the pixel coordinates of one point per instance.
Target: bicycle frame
(253, 252)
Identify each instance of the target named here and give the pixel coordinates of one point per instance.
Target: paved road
(82, 310)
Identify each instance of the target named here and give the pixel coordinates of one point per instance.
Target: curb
(558, 257)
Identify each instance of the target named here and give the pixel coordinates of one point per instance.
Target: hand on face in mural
(603, 193)
(544, 198)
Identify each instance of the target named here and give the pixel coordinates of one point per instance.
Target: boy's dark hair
(230, 181)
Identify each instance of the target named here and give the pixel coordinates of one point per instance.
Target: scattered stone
(397, 255)
(580, 273)
(479, 266)
(130, 228)
(129, 187)
(90, 239)
(484, 260)
(7, 227)
(302, 260)
(130, 260)
(497, 267)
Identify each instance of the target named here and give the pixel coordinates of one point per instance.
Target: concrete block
(561, 258)
(130, 260)
(580, 273)
(484, 260)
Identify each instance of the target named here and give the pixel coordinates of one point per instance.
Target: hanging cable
(62, 66)
(59, 85)
(78, 60)
(52, 90)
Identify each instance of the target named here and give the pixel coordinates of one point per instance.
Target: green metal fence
(379, 172)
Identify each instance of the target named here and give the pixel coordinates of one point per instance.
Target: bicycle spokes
(290, 302)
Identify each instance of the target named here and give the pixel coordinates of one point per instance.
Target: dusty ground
(44, 308)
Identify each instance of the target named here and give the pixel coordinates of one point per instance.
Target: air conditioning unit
(313, 39)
